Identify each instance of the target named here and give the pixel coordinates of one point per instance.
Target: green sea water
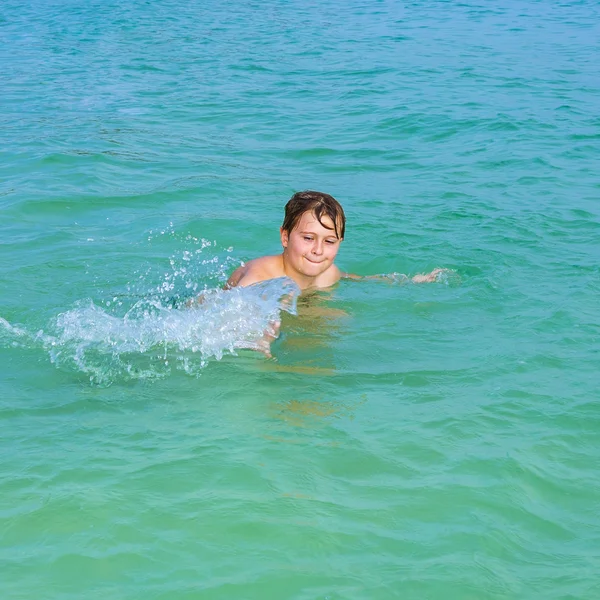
(437, 441)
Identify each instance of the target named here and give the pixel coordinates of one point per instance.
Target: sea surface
(431, 441)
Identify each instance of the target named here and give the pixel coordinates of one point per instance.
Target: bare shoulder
(256, 270)
(330, 277)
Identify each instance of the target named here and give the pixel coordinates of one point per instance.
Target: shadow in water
(307, 339)
(307, 412)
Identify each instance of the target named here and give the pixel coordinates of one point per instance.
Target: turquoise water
(404, 441)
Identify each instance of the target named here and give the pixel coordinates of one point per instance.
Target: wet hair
(318, 203)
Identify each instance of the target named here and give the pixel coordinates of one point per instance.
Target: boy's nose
(318, 248)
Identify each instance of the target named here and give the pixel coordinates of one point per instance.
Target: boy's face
(310, 248)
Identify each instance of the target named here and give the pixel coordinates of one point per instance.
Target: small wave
(153, 336)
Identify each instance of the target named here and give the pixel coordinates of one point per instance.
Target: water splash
(199, 264)
(13, 335)
(154, 337)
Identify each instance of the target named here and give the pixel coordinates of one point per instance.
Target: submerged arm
(399, 277)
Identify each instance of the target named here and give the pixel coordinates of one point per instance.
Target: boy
(312, 231)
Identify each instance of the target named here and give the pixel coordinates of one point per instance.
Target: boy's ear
(284, 237)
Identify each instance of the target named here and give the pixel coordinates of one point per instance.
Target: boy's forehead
(309, 219)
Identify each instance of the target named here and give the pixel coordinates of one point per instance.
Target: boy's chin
(313, 268)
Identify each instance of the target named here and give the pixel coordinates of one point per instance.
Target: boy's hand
(270, 334)
(263, 343)
(429, 277)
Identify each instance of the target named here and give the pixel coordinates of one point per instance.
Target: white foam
(152, 338)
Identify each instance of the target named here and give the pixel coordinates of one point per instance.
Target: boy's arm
(398, 277)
